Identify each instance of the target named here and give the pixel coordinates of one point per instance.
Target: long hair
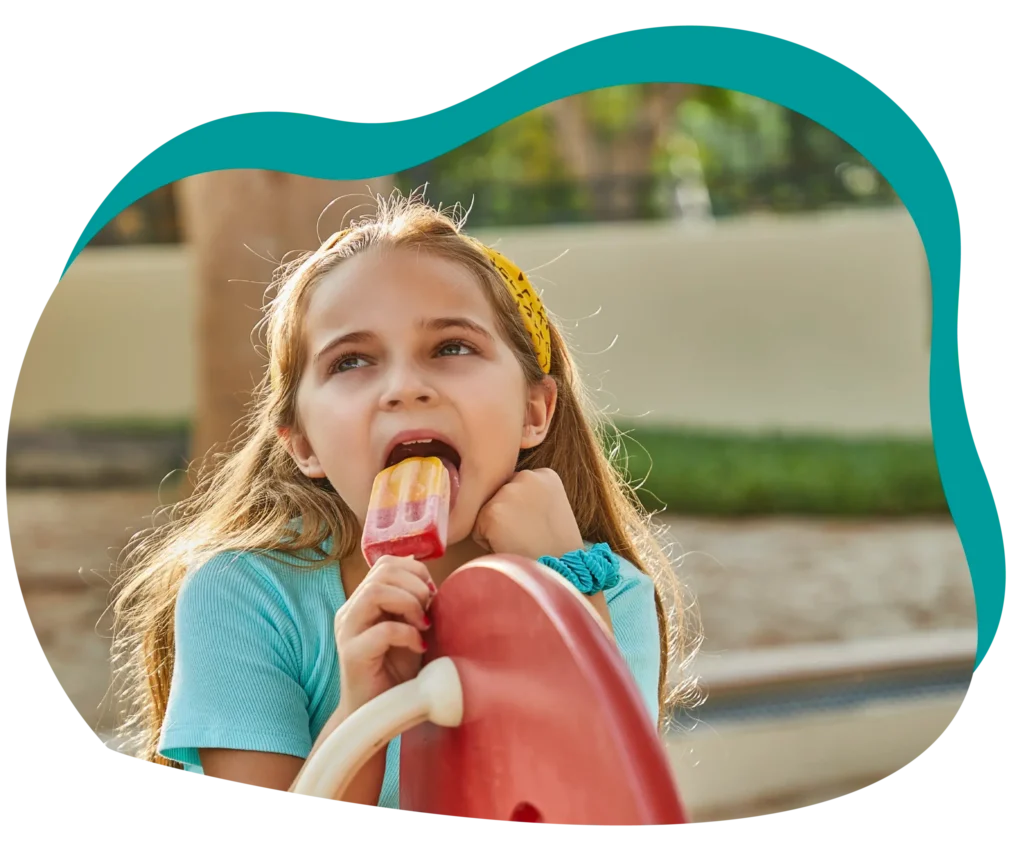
(254, 497)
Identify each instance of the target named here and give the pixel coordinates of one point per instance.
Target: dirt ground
(758, 583)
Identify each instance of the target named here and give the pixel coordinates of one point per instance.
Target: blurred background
(751, 303)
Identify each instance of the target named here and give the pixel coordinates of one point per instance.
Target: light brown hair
(251, 498)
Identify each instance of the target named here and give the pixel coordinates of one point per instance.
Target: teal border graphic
(766, 67)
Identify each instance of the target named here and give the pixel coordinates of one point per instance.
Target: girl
(250, 625)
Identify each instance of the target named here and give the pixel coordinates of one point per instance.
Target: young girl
(250, 625)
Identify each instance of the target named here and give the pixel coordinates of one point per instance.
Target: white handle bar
(434, 695)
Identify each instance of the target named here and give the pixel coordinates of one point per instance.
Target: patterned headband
(531, 309)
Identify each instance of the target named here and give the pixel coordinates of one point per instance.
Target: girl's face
(404, 347)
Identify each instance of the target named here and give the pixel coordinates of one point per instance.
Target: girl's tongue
(453, 480)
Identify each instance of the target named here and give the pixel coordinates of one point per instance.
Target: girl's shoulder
(270, 578)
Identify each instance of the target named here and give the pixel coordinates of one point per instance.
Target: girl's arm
(263, 769)
(249, 690)
(280, 772)
(633, 606)
(365, 787)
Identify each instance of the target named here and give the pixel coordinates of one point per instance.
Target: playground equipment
(524, 710)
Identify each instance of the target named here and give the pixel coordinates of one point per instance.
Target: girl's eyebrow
(440, 324)
(463, 322)
(344, 339)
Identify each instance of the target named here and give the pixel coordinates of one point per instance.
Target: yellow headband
(531, 309)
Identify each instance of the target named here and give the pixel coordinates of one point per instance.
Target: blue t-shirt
(256, 666)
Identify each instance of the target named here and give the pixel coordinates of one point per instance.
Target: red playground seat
(524, 710)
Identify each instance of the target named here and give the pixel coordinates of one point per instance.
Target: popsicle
(408, 513)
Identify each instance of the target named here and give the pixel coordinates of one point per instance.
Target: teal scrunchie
(590, 570)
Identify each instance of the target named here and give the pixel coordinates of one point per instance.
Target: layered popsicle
(408, 513)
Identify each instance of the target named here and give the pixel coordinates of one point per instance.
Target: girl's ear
(541, 399)
(301, 451)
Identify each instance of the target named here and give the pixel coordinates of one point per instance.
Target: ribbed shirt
(256, 665)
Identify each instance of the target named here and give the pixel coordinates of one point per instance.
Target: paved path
(766, 582)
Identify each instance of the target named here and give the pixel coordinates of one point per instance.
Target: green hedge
(727, 474)
(710, 473)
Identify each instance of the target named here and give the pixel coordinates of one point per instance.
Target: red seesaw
(524, 710)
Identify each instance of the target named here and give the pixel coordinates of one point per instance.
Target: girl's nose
(407, 388)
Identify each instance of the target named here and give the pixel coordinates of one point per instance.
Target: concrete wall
(799, 323)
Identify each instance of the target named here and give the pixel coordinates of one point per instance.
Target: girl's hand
(529, 516)
(378, 630)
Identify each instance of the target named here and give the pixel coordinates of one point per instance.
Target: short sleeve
(634, 616)
(236, 679)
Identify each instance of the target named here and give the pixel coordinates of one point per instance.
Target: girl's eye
(450, 348)
(454, 348)
(346, 363)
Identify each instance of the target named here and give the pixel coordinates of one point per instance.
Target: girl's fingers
(373, 600)
(408, 581)
(371, 645)
(387, 564)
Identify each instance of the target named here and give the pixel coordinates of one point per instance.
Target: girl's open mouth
(429, 447)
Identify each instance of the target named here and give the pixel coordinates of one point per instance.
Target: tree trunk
(614, 171)
(240, 225)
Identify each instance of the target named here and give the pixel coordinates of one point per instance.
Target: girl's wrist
(590, 570)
